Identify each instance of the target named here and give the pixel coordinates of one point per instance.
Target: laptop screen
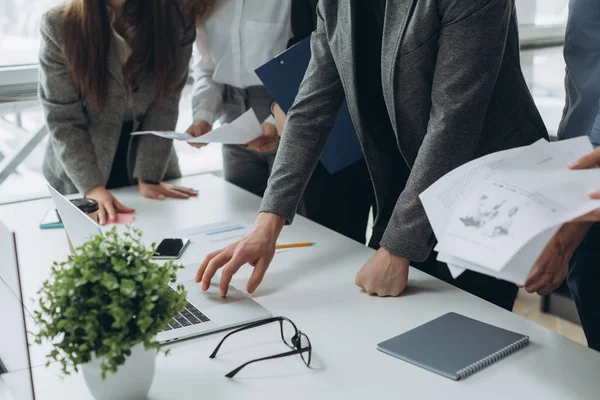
(79, 226)
(15, 361)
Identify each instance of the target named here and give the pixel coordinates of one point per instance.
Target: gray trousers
(243, 167)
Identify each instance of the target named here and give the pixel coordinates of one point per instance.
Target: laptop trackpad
(211, 298)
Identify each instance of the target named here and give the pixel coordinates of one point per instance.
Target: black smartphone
(170, 249)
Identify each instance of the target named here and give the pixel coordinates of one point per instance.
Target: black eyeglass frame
(295, 345)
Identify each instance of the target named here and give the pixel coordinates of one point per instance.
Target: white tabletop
(315, 288)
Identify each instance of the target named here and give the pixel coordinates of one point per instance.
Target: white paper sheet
(518, 268)
(507, 211)
(528, 167)
(441, 198)
(244, 129)
(183, 137)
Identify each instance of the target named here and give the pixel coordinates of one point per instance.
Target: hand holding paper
(241, 131)
(496, 214)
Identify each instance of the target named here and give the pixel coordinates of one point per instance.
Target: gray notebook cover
(454, 346)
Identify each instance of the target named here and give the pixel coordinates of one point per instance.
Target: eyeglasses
(291, 336)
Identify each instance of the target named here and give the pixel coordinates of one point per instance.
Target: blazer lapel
(347, 47)
(118, 88)
(396, 17)
(113, 63)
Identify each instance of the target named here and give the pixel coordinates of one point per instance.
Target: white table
(315, 288)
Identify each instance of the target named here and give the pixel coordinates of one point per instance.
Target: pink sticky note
(122, 218)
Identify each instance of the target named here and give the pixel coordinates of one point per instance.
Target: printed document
(495, 215)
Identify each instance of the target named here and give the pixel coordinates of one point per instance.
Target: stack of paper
(244, 129)
(495, 215)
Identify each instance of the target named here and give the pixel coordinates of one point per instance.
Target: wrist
(93, 190)
(572, 234)
(395, 257)
(270, 222)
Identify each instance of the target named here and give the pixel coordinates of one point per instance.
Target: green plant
(104, 300)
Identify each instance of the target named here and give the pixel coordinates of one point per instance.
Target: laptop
(205, 312)
(15, 358)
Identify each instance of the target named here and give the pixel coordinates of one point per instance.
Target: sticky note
(122, 218)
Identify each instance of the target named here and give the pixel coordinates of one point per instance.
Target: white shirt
(240, 36)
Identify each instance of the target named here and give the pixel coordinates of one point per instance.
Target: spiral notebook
(454, 346)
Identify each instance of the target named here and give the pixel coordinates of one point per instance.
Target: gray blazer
(454, 91)
(83, 139)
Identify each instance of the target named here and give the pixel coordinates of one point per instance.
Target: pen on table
(293, 245)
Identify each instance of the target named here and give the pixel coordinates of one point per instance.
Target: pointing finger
(257, 275)
(202, 268)
(230, 269)
(213, 266)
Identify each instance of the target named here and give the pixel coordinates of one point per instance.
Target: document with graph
(495, 215)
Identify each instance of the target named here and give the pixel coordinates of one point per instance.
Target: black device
(171, 248)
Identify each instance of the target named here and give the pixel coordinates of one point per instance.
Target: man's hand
(591, 160)
(383, 274)
(256, 249)
(268, 141)
(552, 266)
(199, 128)
(163, 190)
(280, 118)
(108, 204)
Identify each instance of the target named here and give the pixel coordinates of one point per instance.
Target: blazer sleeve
(470, 53)
(153, 152)
(309, 124)
(582, 83)
(63, 108)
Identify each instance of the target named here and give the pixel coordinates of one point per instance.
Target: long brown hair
(155, 40)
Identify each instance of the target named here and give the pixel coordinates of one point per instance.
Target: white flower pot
(132, 380)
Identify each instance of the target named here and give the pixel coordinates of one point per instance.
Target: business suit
(453, 90)
(341, 201)
(582, 117)
(83, 138)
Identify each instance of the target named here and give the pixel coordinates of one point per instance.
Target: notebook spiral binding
(489, 360)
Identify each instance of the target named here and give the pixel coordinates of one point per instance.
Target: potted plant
(102, 309)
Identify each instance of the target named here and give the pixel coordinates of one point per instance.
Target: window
(542, 13)
(19, 25)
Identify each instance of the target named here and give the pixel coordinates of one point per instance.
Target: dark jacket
(304, 19)
(454, 91)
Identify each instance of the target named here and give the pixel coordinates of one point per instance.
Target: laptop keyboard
(189, 316)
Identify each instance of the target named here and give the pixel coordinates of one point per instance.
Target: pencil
(293, 245)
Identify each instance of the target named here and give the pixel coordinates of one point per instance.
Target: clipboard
(282, 77)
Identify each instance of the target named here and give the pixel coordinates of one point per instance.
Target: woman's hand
(163, 190)
(108, 205)
(268, 141)
(199, 128)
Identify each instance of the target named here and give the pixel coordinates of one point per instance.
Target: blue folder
(282, 77)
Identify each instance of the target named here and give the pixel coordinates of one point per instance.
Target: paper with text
(536, 176)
